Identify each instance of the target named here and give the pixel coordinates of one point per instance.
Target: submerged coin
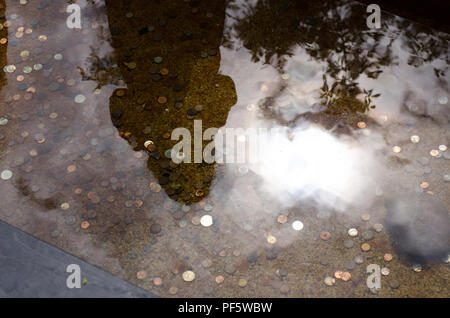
(396, 149)
(329, 281)
(282, 219)
(442, 147)
(434, 153)
(415, 139)
(325, 236)
(188, 276)
(271, 239)
(80, 98)
(365, 247)
(352, 232)
(206, 220)
(6, 174)
(387, 257)
(385, 271)
(141, 275)
(297, 225)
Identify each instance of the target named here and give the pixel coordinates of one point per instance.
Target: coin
(6, 174)
(271, 239)
(365, 217)
(338, 274)
(346, 276)
(434, 153)
(361, 125)
(65, 206)
(242, 282)
(206, 220)
(157, 281)
(282, 219)
(396, 149)
(385, 271)
(188, 276)
(79, 98)
(378, 227)
(424, 185)
(85, 225)
(387, 257)
(141, 275)
(329, 281)
(162, 99)
(352, 232)
(442, 147)
(297, 225)
(415, 139)
(220, 279)
(365, 247)
(325, 236)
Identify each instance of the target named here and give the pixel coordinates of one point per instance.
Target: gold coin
(434, 153)
(188, 276)
(271, 239)
(361, 125)
(365, 247)
(242, 282)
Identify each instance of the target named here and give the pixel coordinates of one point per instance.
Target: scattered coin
(85, 225)
(365, 217)
(282, 219)
(297, 225)
(219, 279)
(365, 247)
(396, 149)
(361, 125)
(378, 227)
(206, 220)
(188, 276)
(442, 147)
(325, 236)
(385, 271)
(141, 275)
(387, 257)
(434, 153)
(329, 281)
(6, 174)
(352, 232)
(271, 239)
(157, 281)
(415, 139)
(242, 282)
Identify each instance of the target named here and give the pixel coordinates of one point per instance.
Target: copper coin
(85, 225)
(282, 219)
(162, 99)
(338, 274)
(220, 279)
(157, 281)
(325, 236)
(346, 276)
(141, 275)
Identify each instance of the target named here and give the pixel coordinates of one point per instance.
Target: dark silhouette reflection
(168, 57)
(334, 32)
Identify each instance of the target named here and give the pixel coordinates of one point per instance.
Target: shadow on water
(169, 60)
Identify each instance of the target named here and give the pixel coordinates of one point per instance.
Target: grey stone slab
(30, 267)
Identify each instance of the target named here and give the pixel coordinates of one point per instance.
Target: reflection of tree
(334, 32)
